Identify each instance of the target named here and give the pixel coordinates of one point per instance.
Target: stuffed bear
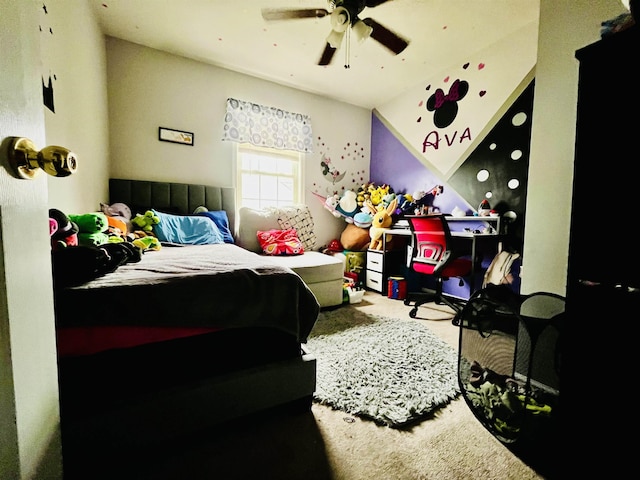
(355, 238)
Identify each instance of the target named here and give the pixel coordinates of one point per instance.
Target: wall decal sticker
(445, 107)
(329, 171)
(340, 172)
(46, 39)
(333, 169)
(47, 94)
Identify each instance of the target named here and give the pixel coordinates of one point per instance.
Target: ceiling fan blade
(386, 37)
(271, 14)
(327, 55)
(374, 3)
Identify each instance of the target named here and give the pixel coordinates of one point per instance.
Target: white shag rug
(390, 370)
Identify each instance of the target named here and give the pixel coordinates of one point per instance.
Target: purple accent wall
(393, 164)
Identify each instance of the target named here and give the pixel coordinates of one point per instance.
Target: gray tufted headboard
(177, 198)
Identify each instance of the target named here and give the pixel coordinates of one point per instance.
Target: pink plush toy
(65, 233)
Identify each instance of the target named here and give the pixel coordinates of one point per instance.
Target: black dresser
(603, 278)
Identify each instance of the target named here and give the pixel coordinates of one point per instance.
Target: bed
(187, 337)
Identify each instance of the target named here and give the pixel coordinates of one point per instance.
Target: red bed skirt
(75, 341)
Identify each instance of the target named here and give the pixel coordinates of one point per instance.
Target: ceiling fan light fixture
(335, 39)
(361, 30)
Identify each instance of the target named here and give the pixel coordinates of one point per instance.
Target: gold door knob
(27, 161)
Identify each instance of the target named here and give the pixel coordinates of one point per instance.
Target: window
(268, 177)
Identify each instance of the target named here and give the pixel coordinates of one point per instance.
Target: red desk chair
(433, 254)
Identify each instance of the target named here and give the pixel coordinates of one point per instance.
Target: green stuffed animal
(90, 222)
(92, 228)
(147, 243)
(147, 221)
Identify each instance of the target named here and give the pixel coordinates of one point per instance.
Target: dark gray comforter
(202, 285)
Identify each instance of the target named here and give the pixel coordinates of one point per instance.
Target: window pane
(269, 165)
(285, 167)
(251, 162)
(285, 189)
(267, 177)
(251, 185)
(268, 187)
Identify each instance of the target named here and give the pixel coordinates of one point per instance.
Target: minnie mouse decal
(445, 107)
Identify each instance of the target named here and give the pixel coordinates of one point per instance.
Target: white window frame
(252, 198)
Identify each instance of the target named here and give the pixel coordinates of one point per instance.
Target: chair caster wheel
(413, 313)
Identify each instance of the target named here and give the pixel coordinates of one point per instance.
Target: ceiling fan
(343, 15)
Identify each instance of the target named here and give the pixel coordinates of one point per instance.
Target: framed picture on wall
(175, 136)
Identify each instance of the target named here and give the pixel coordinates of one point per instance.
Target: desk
(472, 234)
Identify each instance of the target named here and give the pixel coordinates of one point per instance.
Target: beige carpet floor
(330, 445)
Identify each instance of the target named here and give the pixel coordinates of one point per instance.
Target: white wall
(564, 28)
(148, 88)
(74, 55)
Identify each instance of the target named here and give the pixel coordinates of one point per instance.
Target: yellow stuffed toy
(382, 220)
(147, 221)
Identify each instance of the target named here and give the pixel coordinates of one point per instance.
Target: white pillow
(252, 220)
(299, 218)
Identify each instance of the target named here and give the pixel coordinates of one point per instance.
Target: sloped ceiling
(235, 36)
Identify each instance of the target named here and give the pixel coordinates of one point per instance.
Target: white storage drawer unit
(375, 269)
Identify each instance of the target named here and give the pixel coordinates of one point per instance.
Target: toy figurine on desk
(484, 209)
(424, 200)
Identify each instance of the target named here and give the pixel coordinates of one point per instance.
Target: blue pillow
(221, 220)
(186, 229)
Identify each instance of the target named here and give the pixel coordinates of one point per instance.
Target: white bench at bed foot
(323, 274)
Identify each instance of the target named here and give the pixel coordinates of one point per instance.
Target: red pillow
(280, 242)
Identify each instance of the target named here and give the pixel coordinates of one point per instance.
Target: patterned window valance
(247, 122)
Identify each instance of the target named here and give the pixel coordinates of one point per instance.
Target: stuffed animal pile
(364, 209)
(87, 246)
(137, 230)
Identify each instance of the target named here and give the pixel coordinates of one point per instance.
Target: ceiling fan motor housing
(340, 19)
(343, 15)
(352, 7)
